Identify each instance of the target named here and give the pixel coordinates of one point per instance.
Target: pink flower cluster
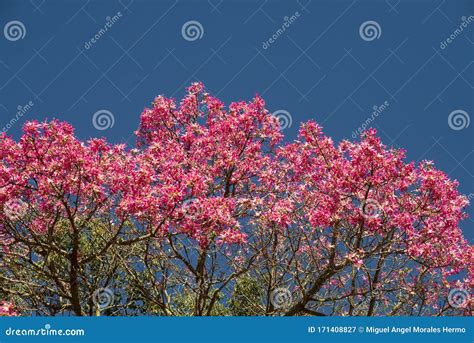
(7, 309)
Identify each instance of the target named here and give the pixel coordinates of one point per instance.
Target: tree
(211, 214)
(358, 232)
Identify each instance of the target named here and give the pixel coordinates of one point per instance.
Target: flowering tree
(67, 211)
(359, 232)
(211, 214)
